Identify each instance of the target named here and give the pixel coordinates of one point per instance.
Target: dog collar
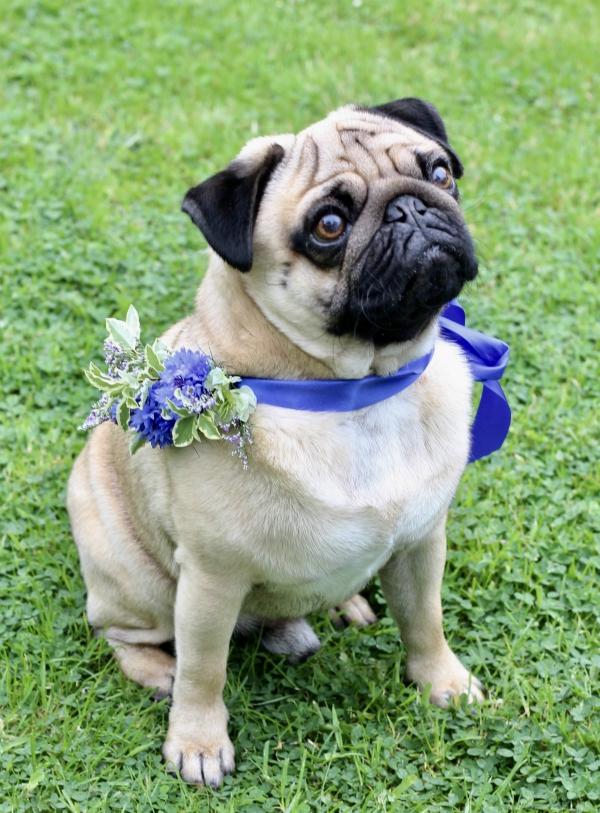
(175, 397)
(486, 356)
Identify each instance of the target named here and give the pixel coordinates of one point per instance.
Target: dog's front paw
(201, 760)
(446, 675)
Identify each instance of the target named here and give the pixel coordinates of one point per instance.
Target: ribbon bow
(487, 358)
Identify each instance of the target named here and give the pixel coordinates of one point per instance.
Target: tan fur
(181, 542)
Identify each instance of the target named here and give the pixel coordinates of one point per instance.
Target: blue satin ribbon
(487, 358)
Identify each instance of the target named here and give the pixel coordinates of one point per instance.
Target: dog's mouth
(404, 276)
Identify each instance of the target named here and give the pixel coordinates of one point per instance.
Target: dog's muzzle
(416, 262)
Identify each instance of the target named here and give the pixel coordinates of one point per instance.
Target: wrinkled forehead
(357, 147)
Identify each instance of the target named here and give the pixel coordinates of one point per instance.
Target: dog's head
(351, 228)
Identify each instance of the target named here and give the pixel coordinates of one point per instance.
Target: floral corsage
(165, 397)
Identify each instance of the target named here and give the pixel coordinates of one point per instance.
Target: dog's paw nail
(227, 760)
(198, 764)
(173, 763)
(211, 771)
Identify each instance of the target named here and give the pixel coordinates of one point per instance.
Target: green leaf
(103, 382)
(93, 368)
(216, 378)
(94, 373)
(161, 349)
(177, 410)
(183, 432)
(225, 412)
(153, 361)
(132, 321)
(245, 402)
(206, 425)
(96, 379)
(136, 442)
(121, 334)
(123, 415)
(130, 378)
(143, 392)
(406, 783)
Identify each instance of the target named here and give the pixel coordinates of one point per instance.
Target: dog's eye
(441, 177)
(329, 227)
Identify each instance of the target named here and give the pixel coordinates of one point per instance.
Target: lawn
(109, 112)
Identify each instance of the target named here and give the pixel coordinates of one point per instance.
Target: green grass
(109, 112)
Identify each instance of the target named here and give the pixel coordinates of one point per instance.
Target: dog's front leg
(412, 583)
(206, 609)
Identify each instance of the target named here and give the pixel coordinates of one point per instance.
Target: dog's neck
(235, 330)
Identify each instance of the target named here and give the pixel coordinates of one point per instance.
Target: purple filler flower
(100, 413)
(115, 358)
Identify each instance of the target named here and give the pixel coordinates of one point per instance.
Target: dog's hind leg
(150, 666)
(356, 611)
(292, 637)
(129, 584)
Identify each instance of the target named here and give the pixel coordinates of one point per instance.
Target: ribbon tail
(491, 423)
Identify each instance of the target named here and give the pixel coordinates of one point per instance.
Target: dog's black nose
(405, 209)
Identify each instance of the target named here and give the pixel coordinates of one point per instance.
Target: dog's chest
(348, 490)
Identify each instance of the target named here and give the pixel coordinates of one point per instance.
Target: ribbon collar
(487, 358)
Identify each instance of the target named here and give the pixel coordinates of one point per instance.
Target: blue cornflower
(184, 380)
(186, 370)
(148, 420)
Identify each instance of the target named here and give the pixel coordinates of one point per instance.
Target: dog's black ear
(423, 117)
(224, 207)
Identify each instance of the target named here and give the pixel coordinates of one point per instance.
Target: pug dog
(333, 252)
